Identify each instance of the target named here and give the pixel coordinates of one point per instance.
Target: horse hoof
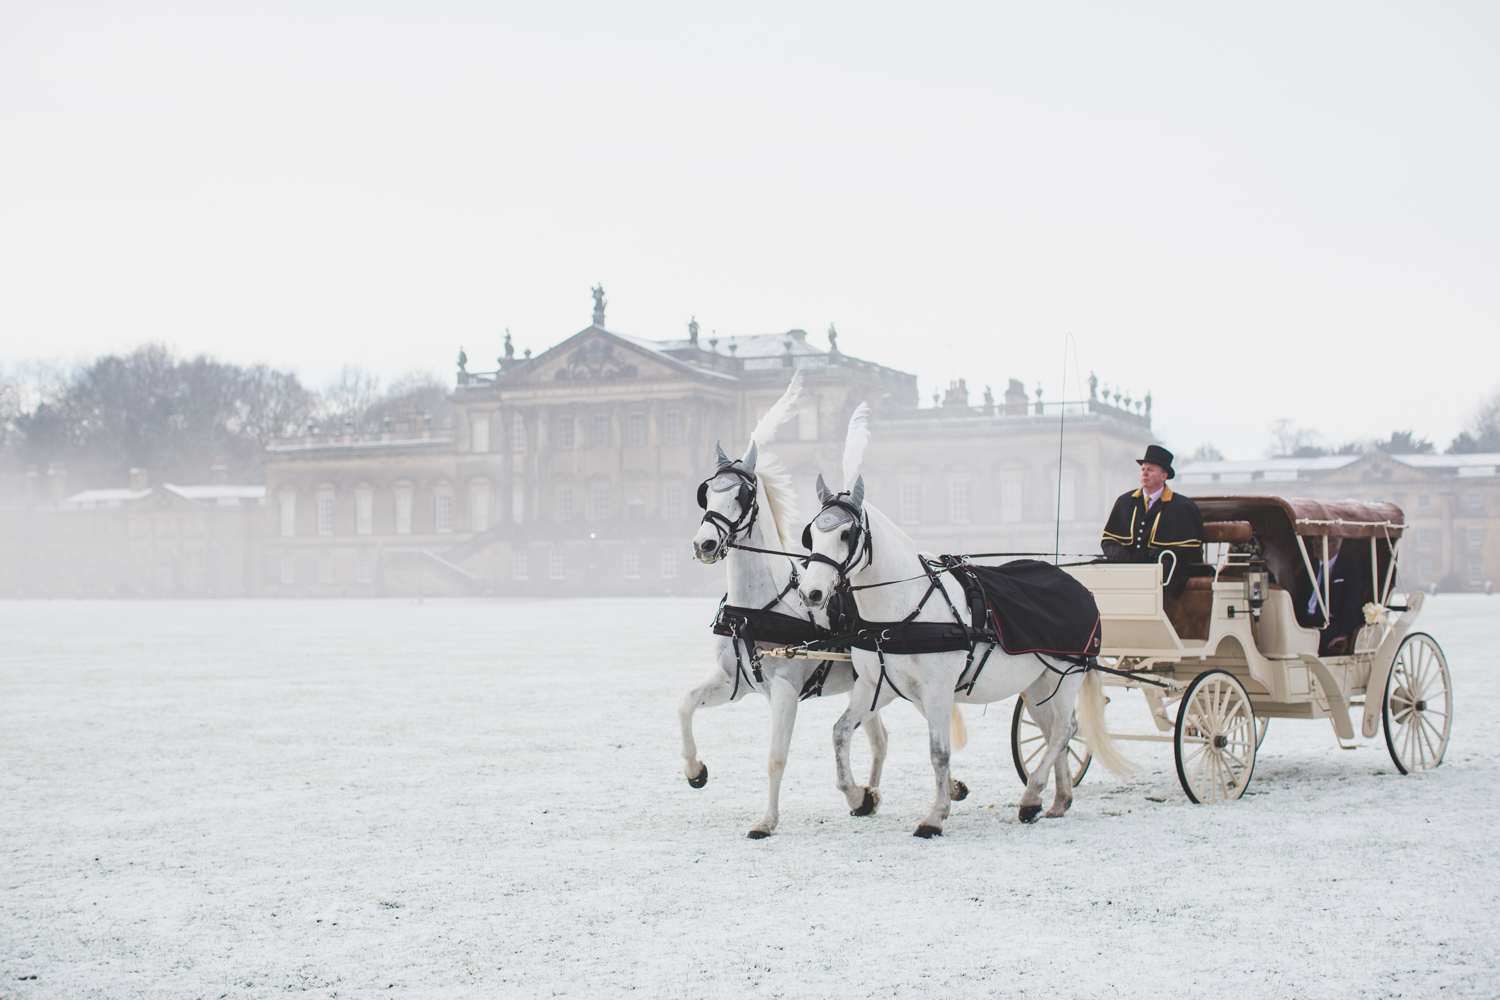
(869, 805)
(960, 791)
(702, 778)
(1030, 813)
(927, 832)
(758, 834)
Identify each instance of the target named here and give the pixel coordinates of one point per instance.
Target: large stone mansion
(575, 471)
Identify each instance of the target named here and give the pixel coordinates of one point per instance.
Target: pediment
(597, 355)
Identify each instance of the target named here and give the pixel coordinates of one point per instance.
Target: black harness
(909, 636)
(748, 626)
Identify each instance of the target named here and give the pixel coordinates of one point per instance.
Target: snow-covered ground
(485, 798)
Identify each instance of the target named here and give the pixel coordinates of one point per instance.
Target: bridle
(728, 530)
(860, 546)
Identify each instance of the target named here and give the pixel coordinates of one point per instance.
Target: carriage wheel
(1418, 706)
(1028, 744)
(1215, 738)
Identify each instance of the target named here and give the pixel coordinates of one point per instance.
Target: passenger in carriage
(1345, 599)
(1153, 520)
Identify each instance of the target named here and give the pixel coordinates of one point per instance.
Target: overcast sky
(1253, 211)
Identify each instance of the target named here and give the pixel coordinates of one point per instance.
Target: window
(1476, 536)
(1066, 496)
(479, 434)
(557, 565)
(669, 564)
(1010, 498)
(288, 569)
(520, 566)
(635, 429)
(518, 433)
(565, 433)
(635, 506)
(1475, 500)
(632, 564)
(960, 506)
(364, 512)
(442, 509)
(479, 506)
(807, 422)
(517, 504)
(911, 503)
(601, 431)
(1424, 500)
(565, 503)
(671, 428)
(288, 515)
(325, 568)
(1424, 570)
(671, 502)
(366, 567)
(325, 513)
(599, 503)
(403, 511)
(1476, 570)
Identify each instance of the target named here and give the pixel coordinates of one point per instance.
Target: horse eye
(844, 535)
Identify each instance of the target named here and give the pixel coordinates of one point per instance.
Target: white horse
(855, 545)
(751, 502)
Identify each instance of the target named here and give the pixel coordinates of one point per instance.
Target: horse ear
(749, 462)
(823, 493)
(857, 495)
(719, 455)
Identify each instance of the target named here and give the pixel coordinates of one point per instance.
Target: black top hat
(1157, 455)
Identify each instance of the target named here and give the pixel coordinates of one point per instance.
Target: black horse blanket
(1026, 606)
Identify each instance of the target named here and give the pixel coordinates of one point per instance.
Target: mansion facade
(574, 472)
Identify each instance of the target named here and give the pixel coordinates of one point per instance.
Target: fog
(1278, 212)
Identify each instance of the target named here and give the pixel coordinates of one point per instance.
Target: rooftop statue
(599, 304)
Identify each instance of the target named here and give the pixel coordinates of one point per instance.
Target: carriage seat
(1192, 613)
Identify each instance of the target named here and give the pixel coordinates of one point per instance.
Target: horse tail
(958, 733)
(1091, 727)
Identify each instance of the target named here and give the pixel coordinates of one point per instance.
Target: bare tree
(1482, 432)
(1291, 441)
(348, 398)
(1405, 443)
(149, 408)
(1207, 453)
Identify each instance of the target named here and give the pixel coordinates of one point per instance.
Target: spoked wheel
(1215, 739)
(1418, 707)
(1028, 744)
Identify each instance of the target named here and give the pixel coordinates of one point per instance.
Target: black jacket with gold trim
(1173, 524)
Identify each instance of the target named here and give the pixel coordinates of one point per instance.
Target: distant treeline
(177, 417)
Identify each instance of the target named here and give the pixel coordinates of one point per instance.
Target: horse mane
(775, 480)
(780, 498)
(780, 412)
(854, 443)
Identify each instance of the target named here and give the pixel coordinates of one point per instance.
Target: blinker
(832, 517)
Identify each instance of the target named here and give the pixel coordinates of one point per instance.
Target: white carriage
(1216, 664)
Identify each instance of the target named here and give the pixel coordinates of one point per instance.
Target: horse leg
(879, 740)
(1051, 700)
(863, 799)
(1061, 712)
(937, 706)
(783, 717)
(712, 690)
